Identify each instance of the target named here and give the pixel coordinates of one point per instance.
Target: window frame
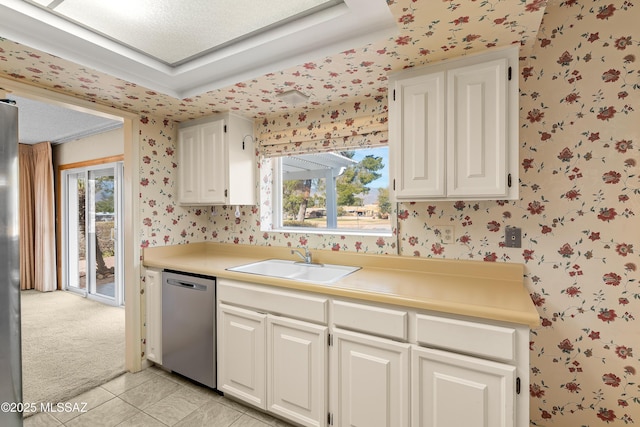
(277, 210)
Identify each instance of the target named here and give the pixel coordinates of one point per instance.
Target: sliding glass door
(92, 216)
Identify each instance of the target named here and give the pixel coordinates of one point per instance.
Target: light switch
(513, 237)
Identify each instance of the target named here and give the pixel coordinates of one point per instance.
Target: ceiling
(182, 48)
(39, 122)
(427, 31)
(176, 32)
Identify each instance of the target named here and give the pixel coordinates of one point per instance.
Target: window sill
(338, 231)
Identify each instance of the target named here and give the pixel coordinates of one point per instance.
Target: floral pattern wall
(429, 30)
(580, 126)
(580, 88)
(164, 222)
(580, 192)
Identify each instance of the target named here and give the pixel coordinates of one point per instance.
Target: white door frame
(68, 233)
(131, 221)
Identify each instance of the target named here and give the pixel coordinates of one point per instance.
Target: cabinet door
(241, 181)
(189, 147)
(477, 130)
(213, 163)
(153, 293)
(241, 354)
(296, 370)
(451, 390)
(372, 381)
(420, 149)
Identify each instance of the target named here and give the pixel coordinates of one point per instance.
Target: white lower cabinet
(450, 390)
(273, 362)
(297, 370)
(370, 377)
(153, 318)
(241, 354)
(318, 361)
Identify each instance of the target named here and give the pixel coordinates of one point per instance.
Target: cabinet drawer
(479, 339)
(275, 301)
(371, 319)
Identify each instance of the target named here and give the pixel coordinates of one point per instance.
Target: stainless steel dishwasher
(188, 326)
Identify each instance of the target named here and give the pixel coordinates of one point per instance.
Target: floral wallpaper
(580, 88)
(164, 222)
(579, 196)
(429, 30)
(580, 85)
(579, 154)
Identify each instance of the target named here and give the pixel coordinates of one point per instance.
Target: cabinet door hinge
(509, 74)
(225, 126)
(394, 185)
(329, 340)
(330, 418)
(226, 193)
(394, 94)
(518, 385)
(509, 180)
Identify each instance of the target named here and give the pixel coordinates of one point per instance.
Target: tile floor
(154, 398)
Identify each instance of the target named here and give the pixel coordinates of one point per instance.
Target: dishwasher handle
(181, 284)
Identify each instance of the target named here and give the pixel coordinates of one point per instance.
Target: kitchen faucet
(306, 257)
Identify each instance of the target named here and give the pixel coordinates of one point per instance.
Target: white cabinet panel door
(372, 381)
(213, 182)
(189, 147)
(297, 370)
(451, 390)
(153, 282)
(201, 164)
(420, 154)
(477, 129)
(241, 354)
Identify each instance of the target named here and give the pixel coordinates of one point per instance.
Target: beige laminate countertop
(471, 288)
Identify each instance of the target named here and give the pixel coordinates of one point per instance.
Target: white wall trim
(132, 263)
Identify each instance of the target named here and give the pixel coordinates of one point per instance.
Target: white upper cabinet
(216, 162)
(454, 129)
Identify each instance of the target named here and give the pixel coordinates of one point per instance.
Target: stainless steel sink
(294, 270)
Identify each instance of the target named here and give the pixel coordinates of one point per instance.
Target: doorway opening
(92, 261)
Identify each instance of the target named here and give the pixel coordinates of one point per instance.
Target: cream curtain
(37, 218)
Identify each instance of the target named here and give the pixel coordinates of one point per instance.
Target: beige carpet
(69, 345)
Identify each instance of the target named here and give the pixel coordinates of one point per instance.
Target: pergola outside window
(309, 167)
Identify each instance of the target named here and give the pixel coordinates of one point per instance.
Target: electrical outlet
(513, 237)
(447, 233)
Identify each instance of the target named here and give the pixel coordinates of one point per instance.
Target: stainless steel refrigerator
(10, 339)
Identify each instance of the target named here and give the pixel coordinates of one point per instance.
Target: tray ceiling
(175, 32)
(183, 48)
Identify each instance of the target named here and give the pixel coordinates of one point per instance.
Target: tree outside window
(340, 190)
